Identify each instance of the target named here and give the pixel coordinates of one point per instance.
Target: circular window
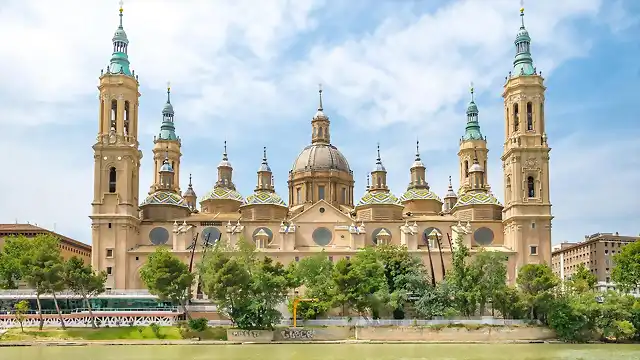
(483, 236)
(322, 236)
(159, 236)
(210, 235)
(321, 210)
(267, 230)
(374, 234)
(428, 231)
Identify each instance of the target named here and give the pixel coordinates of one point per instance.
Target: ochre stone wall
(488, 334)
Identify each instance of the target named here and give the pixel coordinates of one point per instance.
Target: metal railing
(97, 311)
(29, 293)
(391, 322)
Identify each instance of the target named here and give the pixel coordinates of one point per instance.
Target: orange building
(68, 246)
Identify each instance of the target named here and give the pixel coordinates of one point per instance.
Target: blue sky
(392, 71)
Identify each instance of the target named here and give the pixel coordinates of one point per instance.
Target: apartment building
(595, 252)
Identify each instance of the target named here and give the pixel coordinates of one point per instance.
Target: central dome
(321, 157)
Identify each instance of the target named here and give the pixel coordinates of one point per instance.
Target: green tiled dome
(262, 197)
(477, 198)
(379, 198)
(165, 198)
(419, 194)
(222, 193)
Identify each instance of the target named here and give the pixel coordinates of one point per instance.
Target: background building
(68, 246)
(321, 212)
(595, 252)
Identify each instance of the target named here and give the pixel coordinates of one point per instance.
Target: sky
(392, 71)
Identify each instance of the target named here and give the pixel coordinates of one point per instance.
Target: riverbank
(156, 335)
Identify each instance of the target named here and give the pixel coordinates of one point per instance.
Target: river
(327, 351)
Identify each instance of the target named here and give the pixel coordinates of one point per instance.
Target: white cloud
(236, 64)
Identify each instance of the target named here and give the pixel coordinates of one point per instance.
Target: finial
(417, 150)
(522, 12)
(121, 10)
(320, 96)
(264, 155)
(379, 159)
(471, 89)
(191, 185)
(450, 186)
(368, 182)
(224, 154)
(168, 92)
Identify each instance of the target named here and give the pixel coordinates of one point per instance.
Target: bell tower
(525, 160)
(115, 213)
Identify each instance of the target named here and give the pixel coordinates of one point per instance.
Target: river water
(326, 351)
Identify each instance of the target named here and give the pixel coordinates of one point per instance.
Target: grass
(114, 333)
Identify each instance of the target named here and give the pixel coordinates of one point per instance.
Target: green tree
(436, 301)
(405, 275)
(314, 272)
(463, 280)
(361, 283)
(626, 272)
(20, 310)
(43, 270)
(11, 261)
(489, 273)
(84, 281)
(536, 281)
(245, 288)
(168, 278)
(582, 280)
(510, 303)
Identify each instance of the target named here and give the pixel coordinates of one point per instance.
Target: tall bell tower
(525, 160)
(115, 213)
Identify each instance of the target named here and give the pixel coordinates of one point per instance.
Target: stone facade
(321, 212)
(68, 247)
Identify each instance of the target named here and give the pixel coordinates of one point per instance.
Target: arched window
(529, 116)
(541, 116)
(102, 117)
(515, 117)
(126, 117)
(112, 180)
(114, 111)
(319, 132)
(531, 191)
(379, 181)
(466, 168)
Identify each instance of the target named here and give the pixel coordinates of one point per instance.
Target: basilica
(319, 213)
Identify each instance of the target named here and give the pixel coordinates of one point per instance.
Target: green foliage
(437, 301)
(20, 310)
(314, 273)
(536, 282)
(245, 288)
(200, 324)
(84, 281)
(510, 303)
(12, 269)
(489, 272)
(167, 277)
(626, 273)
(582, 280)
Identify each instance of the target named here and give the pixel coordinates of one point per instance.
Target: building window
(515, 117)
(531, 192)
(114, 112)
(533, 250)
(298, 195)
(109, 225)
(533, 225)
(126, 117)
(331, 258)
(608, 279)
(466, 168)
(137, 258)
(297, 258)
(320, 192)
(348, 258)
(109, 253)
(529, 116)
(112, 180)
(344, 196)
(109, 270)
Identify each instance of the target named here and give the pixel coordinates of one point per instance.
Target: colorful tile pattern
(165, 198)
(262, 197)
(477, 198)
(419, 194)
(222, 193)
(379, 198)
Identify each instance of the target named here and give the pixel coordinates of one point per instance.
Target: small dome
(165, 198)
(318, 157)
(262, 197)
(120, 35)
(166, 167)
(523, 35)
(168, 108)
(477, 198)
(419, 194)
(378, 198)
(451, 194)
(476, 168)
(222, 193)
(379, 167)
(320, 115)
(225, 163)
(189, 192)
(472, 108)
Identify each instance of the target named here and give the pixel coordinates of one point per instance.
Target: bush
(198, 324)
(156, 330)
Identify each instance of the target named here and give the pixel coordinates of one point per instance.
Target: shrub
(198, 324)
(156, 330)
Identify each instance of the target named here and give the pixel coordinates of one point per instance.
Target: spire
(450, 192)
(523, 62)
(320, 97)
(417, 163)
(264, 167)
(189, 192)
(119, 63)
(320, 123)
(224, 154)
(472, 129)
(379, 166)
(168, 129)
(368, 186)
(417, 150)
(225, 171)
